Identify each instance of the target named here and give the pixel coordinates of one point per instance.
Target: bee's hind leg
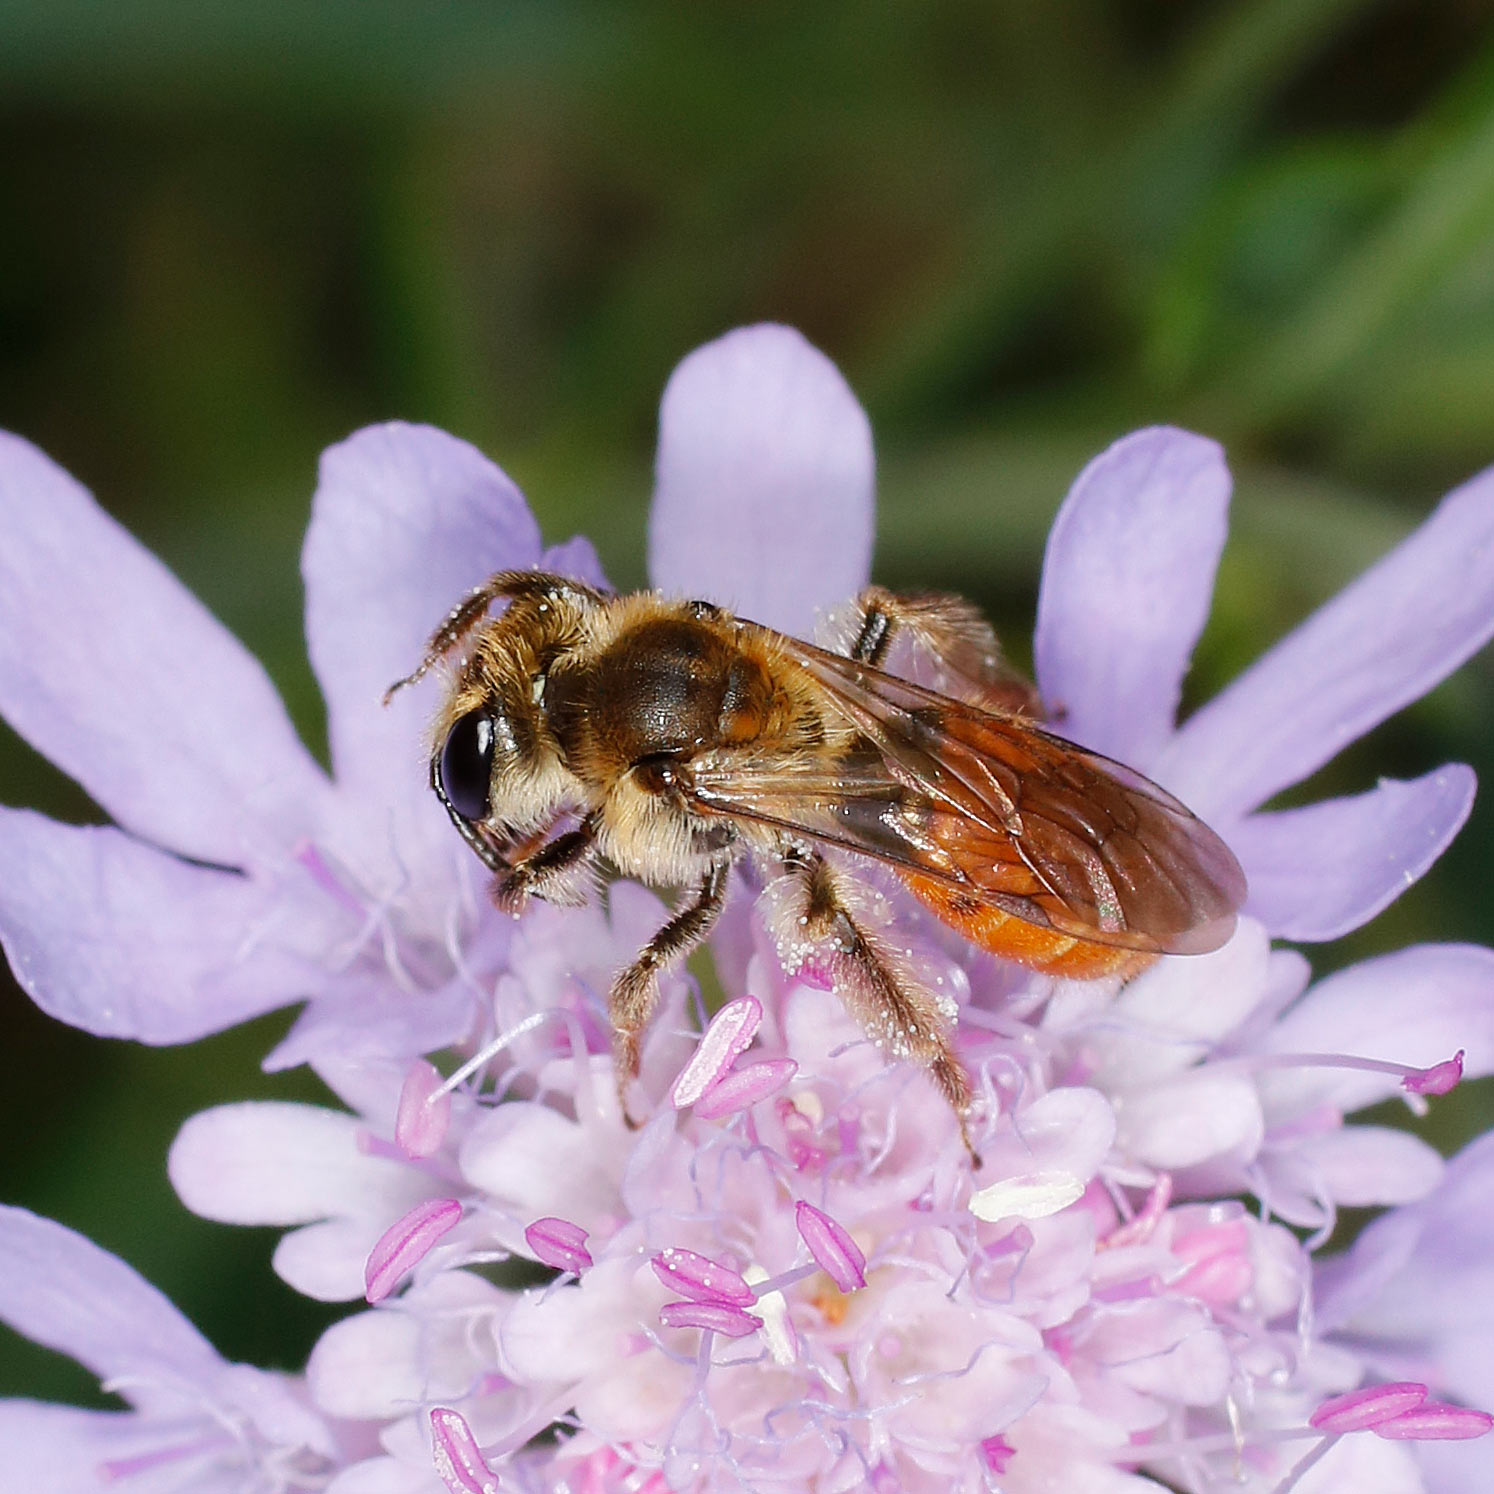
(959, 644)
(634, 992)
(815, 908)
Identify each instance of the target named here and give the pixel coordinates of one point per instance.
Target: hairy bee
(674, 738)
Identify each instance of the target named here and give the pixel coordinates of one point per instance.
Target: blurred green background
(230, 234)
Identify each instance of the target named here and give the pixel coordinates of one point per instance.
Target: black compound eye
(466, 766)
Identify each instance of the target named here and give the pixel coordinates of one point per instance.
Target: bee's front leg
(636, 990)
(556, 870)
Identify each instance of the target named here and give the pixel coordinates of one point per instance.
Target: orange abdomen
(1013, 938)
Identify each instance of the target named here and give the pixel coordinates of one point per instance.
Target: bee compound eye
(466, 767)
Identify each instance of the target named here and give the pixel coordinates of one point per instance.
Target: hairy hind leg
(956, 640)
(818, 909)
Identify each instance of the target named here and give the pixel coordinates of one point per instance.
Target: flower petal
(1191, 1119)
(1127, 579)
(61, 1449)
(1362, 1167)
(123, 940)
(1157, 1025)
(764, 492)
(1407, 622)
(1068, 1130)
(63, 1291)
(271, 1162)
(1418, 1284)
(407, 520)
(114, 670)
(577, 559)
(1315, 873)
(543, 1165)
(384, 1476)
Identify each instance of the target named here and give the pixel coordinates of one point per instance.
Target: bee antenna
(409, 679)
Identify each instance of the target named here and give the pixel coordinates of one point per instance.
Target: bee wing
(996, 808)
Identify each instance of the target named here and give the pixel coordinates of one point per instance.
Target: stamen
(559, 1244)
(1219, 1281)
(739, 1089)
(424, 1113)
(1033, 1195)
(701, 1279)
(838, 1254)
(730, 1032)
(1221, 1271)
(1367, 1407)
(406, 1243)
(730, 1322)
(1435, 1422)
(771, 1310)
(815, 972)
(454, 1450)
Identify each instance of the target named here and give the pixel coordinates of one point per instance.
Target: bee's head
(495, 764)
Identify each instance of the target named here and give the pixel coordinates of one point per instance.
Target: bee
(674, 739)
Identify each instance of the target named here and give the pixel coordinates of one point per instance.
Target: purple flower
(237, 877)
(789, 1278)
(195, 1422)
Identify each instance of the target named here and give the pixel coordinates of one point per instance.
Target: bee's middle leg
(900, 1013)
(636, 990)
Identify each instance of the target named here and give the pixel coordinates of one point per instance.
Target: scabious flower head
(790, 1276)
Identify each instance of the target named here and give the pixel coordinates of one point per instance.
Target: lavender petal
(263, 1162)
(114, 670)
(1318, 872)
(1386, 639)
(63, 1291)
(1127, 580)
(407, 520)
(65, 1450)
(764, 491)
(123, 940)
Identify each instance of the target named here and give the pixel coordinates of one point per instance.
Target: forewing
(997, 808)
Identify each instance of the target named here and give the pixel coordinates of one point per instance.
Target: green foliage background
(231, 233)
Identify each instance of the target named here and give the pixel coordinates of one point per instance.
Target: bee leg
(959, 643)
(901, 1014)
(553, 870)
(635, 991)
